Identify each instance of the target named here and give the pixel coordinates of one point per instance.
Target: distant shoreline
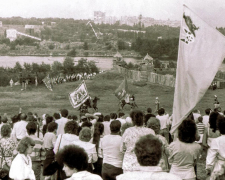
(47, 55)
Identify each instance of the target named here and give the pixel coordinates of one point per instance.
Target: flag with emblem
(48, 83)
(79, 95)
(122, 90)
(201, 52)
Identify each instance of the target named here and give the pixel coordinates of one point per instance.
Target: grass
(41, 101)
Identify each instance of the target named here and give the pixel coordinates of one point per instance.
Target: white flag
(79, 95)
(201, 52)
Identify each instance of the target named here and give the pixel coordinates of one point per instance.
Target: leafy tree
(157, 49)
(82, 66)
(27, 67)
(57, 67)
(35, 67)
(18, 68)
(157, 64)
(51, 46)
(68, 65)
(44, 68)
(72, 53)
(92, 67)
(121, 45)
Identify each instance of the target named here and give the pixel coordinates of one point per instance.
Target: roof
(118, 55)
(147, 57)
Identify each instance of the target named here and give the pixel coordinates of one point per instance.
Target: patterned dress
(129, 138)
(7, 146)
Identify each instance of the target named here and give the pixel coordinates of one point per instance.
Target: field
(40, 100)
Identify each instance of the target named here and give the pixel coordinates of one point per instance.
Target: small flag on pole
(79, 95)
(122, 90)
(48, 83)
(201, 52)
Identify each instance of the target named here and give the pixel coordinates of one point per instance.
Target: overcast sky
(212, 11)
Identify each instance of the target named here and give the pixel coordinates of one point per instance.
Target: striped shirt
(200, 127)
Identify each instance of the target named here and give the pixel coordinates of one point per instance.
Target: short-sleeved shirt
(129, 138)
(61, 124)
(164, 120)
(182, 156)
(19, 129)
(49, 140)
(110, 146)
(201, 128)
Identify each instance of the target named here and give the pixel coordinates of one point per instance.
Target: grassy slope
(41, 100)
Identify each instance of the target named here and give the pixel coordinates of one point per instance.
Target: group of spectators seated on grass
(110, 147)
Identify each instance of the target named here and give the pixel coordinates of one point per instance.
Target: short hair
(161, 111)
(137, 117)
(4, 119)
(121, 114)
(24, 144)
(49, 119)
(56, 115)
(64, 112)
(85, 134)
(70, 152)
(207, 111)
(200, 118)
(149, 110)
(6, 130)
(30, 118)
(113, 116)
(100, 118)
(107, 118)
(187, 131)
(86, 124)
(115, 126)
(71, 127)
(148, 150)
(31, 128)
(15, 119)
(23, 116)
(52, 126)
(221, 124)
(74, 117)
(154, 124)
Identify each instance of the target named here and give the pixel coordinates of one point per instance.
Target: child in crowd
(201, 128)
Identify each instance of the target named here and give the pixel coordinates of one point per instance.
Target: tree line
(30, 71)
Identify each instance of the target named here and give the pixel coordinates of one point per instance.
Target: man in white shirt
(19, 128)
(205, 120)
(164, 123)
(121, 118)
(106, 124)
(62, 121)
(112, 156)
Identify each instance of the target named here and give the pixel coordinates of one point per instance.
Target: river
(103, 63)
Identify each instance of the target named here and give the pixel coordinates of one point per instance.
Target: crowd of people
(111, 146)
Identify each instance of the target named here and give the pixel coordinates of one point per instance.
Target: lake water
(103, 63)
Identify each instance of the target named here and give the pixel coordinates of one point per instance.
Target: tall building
(99, 17)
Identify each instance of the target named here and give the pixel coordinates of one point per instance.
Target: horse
(92, 103)
(131, 102)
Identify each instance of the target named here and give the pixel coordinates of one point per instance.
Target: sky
(212, 11)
